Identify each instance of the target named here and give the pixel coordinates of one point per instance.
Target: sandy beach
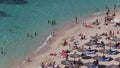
(66, 33)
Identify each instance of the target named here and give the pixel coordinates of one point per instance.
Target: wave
(45, 43)
(97, 13)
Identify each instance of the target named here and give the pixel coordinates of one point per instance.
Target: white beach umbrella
(116, 20)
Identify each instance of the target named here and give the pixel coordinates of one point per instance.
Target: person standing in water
(28, 35)
(2, 50)
(35, 33)
(115, 6)
(48, 21)
(53, 22)
(76, 20)
(106, 6)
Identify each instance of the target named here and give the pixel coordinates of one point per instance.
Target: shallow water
(22, 17)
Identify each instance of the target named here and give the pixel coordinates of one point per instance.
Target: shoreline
(47, 47)
(60, 33)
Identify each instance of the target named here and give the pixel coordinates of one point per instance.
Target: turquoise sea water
(19, 18)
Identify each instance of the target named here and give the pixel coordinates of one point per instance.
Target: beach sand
(66, 32)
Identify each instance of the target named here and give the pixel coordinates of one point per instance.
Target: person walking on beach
(29, 60)
(67, 57)
(65, 42)
(117, 32)
(53, 34)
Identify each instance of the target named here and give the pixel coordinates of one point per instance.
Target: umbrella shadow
(86, 57)
(111, 59)
(89, 64)
(112, 66)
(80, 63)
(102, 66)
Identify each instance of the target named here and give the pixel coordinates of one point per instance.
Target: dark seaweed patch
(3, 14)
(19, 2)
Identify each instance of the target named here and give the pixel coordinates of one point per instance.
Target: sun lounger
(112, 52)
(105, 58)
(116, 47)
(92, 67)
(89, 52)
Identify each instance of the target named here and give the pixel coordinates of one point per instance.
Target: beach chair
(105, 59)
(112, 52)
(89, 52)
(92, 67)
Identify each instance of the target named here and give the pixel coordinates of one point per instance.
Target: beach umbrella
(112, 66)
(115, 39)
(116, 20)
(90, 43)
(103, 50)
(117, 59)
(89, 64)
(74, 56)
(96, 57)
(66, 62)
(109, 44)
(96, 37)
(81, 49)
